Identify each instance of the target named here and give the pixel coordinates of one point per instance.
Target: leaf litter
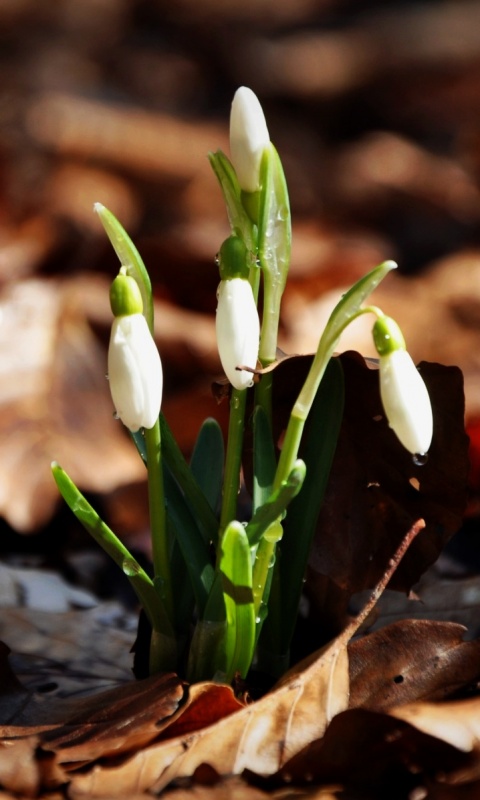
(134, 736)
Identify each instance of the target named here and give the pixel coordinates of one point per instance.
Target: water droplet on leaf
(130, 567)
(420, 459)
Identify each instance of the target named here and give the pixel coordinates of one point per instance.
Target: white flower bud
(248, 138)
(238, 330)
(134, 372)
(406, 401)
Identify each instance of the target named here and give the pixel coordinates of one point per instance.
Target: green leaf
(240, 222)
(274, 227)
(196, 500)
(129, 257)
(274, 508)
(274, 247)
(264, 459)
(236, 571)
(207, 461)
(195, 550)
(104, 536)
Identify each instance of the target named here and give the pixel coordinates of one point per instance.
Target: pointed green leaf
(274, 247)
(129, 257)
(207, 461)
(240, 222)
(195, 550)
(104, 536)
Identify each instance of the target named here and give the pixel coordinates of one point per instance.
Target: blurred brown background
(375, 110)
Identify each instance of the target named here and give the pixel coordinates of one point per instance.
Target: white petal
(135, 372)
(248, 138)
(406, 401)
(238, 330)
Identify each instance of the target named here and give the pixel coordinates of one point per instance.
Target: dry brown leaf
(25, 247)
(122, 719)
(20, 769)
(457, 723)
(411, 660)
(374, 755)
(259, 737)
(75, 126)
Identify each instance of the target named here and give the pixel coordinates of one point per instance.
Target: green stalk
(233, 459)
(158, 524)
(345, 312)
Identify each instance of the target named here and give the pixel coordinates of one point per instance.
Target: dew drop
(420, 459)
(130, 567)
(115, 415)
(217, 259)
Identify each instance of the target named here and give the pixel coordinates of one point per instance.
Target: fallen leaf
(375, 489)
(457, 723)
(259, 737)
(374, 755)
(124, 718)
(20, 769)
(411, 660)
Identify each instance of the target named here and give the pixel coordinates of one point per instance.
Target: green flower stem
(263, 394)
(233, 459)
(307, 395)
(291, 444)
(273, 289)
(156, 500)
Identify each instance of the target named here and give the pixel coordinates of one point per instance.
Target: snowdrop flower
(404, 395)
(134, 366)
(248, 138)
(237, 322)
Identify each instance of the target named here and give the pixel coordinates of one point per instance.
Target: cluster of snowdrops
(217, 602)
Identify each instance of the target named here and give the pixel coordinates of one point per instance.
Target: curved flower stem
(156, 500)
(304, 401)
(233, 459)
